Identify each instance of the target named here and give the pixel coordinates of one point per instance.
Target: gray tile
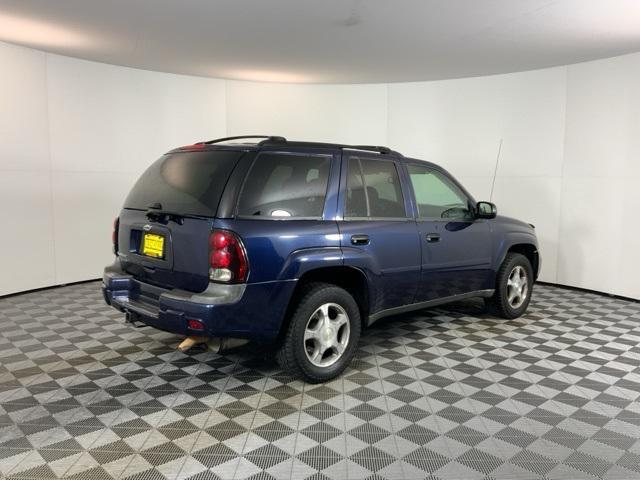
(448, 393)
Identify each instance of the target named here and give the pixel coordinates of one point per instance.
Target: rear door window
(373, 189)
(189, 183)
(281, 185)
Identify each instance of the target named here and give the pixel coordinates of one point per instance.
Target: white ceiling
(327, 41)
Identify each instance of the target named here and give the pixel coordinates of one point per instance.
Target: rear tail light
(114, 235)
(227, 258)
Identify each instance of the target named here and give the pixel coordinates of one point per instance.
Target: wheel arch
(529, 250)
(351, 279)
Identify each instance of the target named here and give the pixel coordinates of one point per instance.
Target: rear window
(184, 182)
(285, 185)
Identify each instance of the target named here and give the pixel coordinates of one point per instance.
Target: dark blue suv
(304, 244)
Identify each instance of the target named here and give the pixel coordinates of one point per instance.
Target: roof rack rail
(296, 143)
(369, 148)
(277, 140)
(267, 138)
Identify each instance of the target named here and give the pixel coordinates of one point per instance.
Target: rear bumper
(252, 311)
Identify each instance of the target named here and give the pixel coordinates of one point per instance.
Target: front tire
(322, 335)
(514, 285)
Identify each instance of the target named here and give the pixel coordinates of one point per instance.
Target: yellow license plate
(153, 245)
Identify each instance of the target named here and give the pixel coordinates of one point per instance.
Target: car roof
(270, 142)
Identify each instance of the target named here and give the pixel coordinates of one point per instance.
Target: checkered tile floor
(450, 393)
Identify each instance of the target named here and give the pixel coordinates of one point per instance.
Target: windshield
(188, 183)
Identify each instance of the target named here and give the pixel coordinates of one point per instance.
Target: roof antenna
(495, 171)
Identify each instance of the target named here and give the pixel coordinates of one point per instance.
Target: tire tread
(286, 354)
(498, 303)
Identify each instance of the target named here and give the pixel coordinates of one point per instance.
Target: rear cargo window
(189, 183)
(285, 185)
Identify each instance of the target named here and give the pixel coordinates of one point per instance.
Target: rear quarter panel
(283, 249)
(279, 253)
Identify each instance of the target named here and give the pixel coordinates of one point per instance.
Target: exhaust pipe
(214, 344)
(190, 342)
(220, 345)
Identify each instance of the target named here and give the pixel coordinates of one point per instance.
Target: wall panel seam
(54, 257)
(226, 108)
(562, 164)
(388, 119)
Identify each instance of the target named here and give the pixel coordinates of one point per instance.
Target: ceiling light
(268, 76)
(36, 33)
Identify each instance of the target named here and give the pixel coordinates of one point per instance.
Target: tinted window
(184, 182)
(436, 195)
(373, 189)
(281, 185)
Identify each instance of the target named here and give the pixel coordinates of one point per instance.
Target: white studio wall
(468, 125)
(336, 113)
(27, 256)
(107, 124)
(74, 136)
(599, 235)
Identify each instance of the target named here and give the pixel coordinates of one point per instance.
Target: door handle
(433, 237)
(360, 239)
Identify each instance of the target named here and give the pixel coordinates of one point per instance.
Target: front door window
(436, 196)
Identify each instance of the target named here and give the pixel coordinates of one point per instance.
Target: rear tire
(322, 334)
(514, 285)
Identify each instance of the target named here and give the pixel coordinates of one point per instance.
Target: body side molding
(427, 304)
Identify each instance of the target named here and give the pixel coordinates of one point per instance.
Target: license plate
(153, 245)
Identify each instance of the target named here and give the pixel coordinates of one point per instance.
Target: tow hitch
(134, 319)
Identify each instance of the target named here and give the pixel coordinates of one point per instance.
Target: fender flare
(304, 260)
(310, 259)
(515, 238)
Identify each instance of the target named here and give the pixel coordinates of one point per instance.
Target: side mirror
(486, 210)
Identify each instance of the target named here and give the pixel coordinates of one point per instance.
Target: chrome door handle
(360, 239)
(433, 237)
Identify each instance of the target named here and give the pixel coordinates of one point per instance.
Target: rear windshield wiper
(155, 213)
(164, 217)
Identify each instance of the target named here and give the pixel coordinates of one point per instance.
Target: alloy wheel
(326, 335)
(517, 287)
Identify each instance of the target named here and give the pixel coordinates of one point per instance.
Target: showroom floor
(451, 392)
